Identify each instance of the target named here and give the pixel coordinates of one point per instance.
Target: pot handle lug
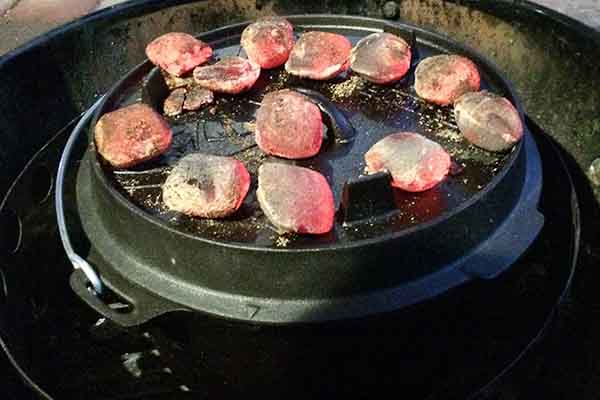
(127, 311)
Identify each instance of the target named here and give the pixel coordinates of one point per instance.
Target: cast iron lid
(388, 248)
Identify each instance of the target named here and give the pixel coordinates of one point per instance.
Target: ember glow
(319, 56)
(178, 53)
(289, 125)
(415, 162)
(295, 199)
(444, 78)
(381, 58)
(132, 135)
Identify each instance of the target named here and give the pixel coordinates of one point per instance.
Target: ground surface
(22, 20)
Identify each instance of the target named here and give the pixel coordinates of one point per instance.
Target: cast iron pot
(157, 268)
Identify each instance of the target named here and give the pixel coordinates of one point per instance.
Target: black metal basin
(53, 336)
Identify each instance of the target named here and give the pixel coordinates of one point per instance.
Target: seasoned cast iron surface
(374, 110)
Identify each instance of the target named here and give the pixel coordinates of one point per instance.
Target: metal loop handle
(77, 261)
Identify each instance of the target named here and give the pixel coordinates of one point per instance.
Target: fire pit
(451, 328)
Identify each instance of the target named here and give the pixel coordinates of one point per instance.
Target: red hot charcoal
(319, 56)
(295, 199)
(415, 162)
(178, 53)
(444, 78)
(289, 125)
(381, 58)
(132, 135)
(268, 42)
(231, 75)
(206, 186)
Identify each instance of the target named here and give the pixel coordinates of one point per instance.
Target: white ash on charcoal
(319, 56)
(173, 104)
(295, 199)
(231, 75)
(268, 41)
(381, 58)
(187, 99)
(197, 97)
(173, 82)
(488, 121)
(443, 79)
(132, 135)
(206, 186)
(289, 125)
(178, 53)
(415, 162)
